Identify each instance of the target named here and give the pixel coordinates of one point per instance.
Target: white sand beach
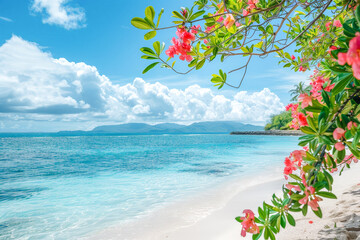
(222, 205)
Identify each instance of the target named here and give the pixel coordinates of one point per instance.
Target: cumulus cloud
(35, 86)
(58, 12)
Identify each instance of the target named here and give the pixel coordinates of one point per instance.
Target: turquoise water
(54, 187)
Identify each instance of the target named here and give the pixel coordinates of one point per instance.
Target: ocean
(67, 187)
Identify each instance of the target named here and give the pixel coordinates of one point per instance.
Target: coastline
(270, 132)
(226, 202)
(207, 215)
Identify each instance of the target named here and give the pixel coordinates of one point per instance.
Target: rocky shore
(270, 132)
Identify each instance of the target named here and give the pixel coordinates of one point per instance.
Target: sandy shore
(211, 215)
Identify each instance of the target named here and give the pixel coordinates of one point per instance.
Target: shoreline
(226, 202)
(270, 132)
(179, 220)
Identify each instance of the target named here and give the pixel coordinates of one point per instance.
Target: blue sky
(73, 64)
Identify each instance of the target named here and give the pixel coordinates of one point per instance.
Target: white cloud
(58, 12)
(36, 87)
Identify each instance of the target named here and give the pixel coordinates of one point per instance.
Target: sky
(75, 65)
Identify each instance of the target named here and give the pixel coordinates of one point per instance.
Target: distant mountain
(200, 127)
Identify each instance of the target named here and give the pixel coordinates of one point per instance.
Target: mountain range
(199, 127)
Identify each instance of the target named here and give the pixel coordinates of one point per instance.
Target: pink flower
(237, 24)
(302, 120)
(327, 25)
(220, 19)
(332, 48)
(183, 12)
(342, 58)
(337, 23)
(302, 69)
(339, 146)
(314, 204)
(245, 13)
(248, 223)
(206, 41)
(194, 29)
(338, 133)
(229, 21)
(292, 57)
(289, 166)
(305, 100)
(295, 187)
(352, 57)
(311, 222)
(208, 29)
(351, 124)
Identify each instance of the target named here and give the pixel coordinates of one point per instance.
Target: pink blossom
(352, 57)
(302, 120)
(206, 41)
(245, 13)
(295, 187)
(237, 24)
(327, 25)
(338, 133)
(351, 124)
(229, 21)
(220, 19)
(337, 23)
(339, 146)
(305, 100)
(292, 57)
(342, 58)
(195, 29)
(248, 223)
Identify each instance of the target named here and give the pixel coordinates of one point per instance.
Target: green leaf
(140, 23)
(159, 17)
(290, 219)
(150, 35)
(147, 51)
(357, 15)
(326, 99)
(342, 84)
(150, 67)
(307, 130)
(200, 64)
(304, 209)
(283, 221)
(196, 15)
(156, 46)
(238, 219)
(148, 57)
(297, 197)
(326, 195)
(295, 177)
(150, 13)
(318, 213)
(177, 15)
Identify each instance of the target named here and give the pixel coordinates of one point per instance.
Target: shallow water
(65, 187)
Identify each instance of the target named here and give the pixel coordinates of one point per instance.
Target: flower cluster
(319, 83)
(182, 46)
(251, 6)
(352, 57)
(248, 223)
(293, 162)
(299, 118)
(310, 197)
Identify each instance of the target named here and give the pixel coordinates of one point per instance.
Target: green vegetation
(280, 121)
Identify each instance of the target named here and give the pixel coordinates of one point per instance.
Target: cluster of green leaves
(256, 33)
(334, 110)
(147, 23)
